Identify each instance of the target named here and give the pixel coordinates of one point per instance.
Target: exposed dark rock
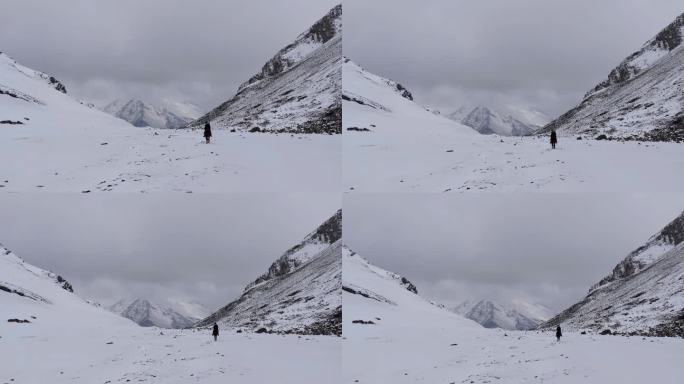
(18, 321)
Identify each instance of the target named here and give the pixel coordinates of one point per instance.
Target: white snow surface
(69, 340)
(415, 341)
(409, 149)
(65, 146)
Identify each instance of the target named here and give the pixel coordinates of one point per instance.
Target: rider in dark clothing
(554, 139)
(215, 332)
(558, 333)
(207, 132)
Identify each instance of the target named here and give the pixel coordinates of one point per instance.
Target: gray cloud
(530, 53)
(197, 51)
(545, 248)
(204, 248)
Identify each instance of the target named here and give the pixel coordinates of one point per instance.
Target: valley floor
(150, 160)
(452, 355)
(405, 161)
(176, 356)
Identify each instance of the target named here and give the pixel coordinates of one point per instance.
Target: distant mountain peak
(143, 114)
(513, 315)
(507, 122)
(148, 314)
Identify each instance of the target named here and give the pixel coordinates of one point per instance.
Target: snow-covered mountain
(516, 315)
(487, 121)
(300, 293)
(142, 114)
(642, 98)
(373, 103)
(374, 296)
(33, 296)
(297, 90)
(643, 295)
(147, 314)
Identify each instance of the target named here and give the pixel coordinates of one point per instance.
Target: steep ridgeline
(505, 123)
(379, 298)
(644, 295)
(300, 293)
(373, 103)
(39, 102)
(642, 99)
(147, 314)
(516, 315)
(296, 91)
(142, 114)
(31, 296)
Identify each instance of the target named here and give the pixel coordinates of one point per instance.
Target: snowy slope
(386, 299)
(298, 90)
(147, 314)
(412, 340)
(392, 144)
(142, 114)
(45, 299)
(644, 294)
(516, 315)
(68, 340)
(643, 97)
(300, 293)
(51, 142)
(505, 123)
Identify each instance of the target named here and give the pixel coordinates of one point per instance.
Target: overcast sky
(532, 53)
(543, 248)
(196, 51)
(202, 248)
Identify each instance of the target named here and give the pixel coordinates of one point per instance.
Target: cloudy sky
(543, 248)
(529, 53)
(191, 51)
(202, 248)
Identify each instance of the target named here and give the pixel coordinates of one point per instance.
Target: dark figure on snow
(207, 132)
(554, 139)
(215, 331)
(558, 333)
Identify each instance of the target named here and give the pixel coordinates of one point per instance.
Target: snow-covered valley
(49, 334)
(392, 335)
(52, 142)
(392, 144)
